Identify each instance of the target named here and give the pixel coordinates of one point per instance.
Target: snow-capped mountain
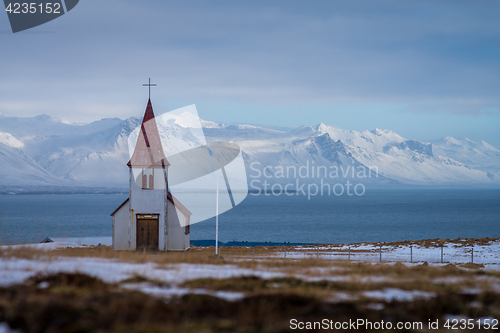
(43, 151)
(18, 168)
(352, 155)
(89, 155)
(8, 140)
(96, 159)
(478, 155)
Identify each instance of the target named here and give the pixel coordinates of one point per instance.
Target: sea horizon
(381, 215)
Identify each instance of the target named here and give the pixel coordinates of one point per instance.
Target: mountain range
(40, 151)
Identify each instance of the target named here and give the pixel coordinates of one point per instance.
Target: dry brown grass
(356, 278)
(202, 254)
(78, 303)
(193, 255)
(351, 276)
(265, 258)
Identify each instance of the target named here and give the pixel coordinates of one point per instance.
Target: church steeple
(148, 152)
(149, 114)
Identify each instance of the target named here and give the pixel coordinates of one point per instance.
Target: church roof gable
(178, 204)
(148, 150)
(119, 207)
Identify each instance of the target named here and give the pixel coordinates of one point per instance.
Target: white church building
(151, 217)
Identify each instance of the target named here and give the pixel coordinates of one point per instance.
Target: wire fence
(410, 254)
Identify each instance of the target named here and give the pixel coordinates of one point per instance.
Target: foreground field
(59, 288)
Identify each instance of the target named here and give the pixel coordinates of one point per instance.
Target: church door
(147, 232)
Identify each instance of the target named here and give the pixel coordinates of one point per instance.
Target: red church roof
(148, 149)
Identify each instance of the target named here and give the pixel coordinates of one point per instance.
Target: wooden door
(153, 234)
(147, 232)
(142, 233)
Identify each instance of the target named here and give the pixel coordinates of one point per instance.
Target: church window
(151, 181)
(144, 180)
(147, 179)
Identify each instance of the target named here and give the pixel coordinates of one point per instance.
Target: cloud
(442, 56)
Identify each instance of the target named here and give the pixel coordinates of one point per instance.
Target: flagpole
(217, 218)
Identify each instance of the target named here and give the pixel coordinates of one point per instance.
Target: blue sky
(424, 69)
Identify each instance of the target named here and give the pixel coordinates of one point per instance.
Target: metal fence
(410, 254)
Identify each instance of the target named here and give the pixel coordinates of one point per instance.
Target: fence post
(317, 253)
(442, 253)
(349, 253)
(381, 253)
(285, 252)
(254, 252)
(472, 255)
(411, 253)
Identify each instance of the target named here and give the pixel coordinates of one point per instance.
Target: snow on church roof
(148, 151)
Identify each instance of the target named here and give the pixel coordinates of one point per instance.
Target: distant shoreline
(43, 190)
(29, 190)
(427, 243)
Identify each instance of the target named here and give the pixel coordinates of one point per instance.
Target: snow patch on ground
(42, 246)
(452, 253)
(171, 292)
(399, 295)
(14, 271)
(86, 240)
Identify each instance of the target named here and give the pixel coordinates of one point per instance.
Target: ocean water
(379, 215)
(32, 218)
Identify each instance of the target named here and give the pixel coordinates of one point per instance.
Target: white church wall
(147, 202)
(176, 240)
(153, 202)
(121, 224)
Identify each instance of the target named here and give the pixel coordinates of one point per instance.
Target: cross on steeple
(149, 85)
